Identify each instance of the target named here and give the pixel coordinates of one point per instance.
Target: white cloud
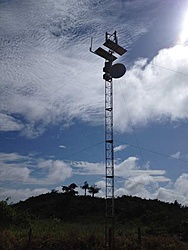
(102, 185)
(152, 91)
(119, 148)
(176, 155)
(87, 168)
(13, 157)
(176, 191)
(168, 195)
(129, 168)
(18, 170)
(148, 187)
(141, 185)
(120, 192)
(32, 130)
(22, 172)
(45, 61)
(181, 185)
(9, 123)
(21, 194)
(13, 173)
(58, 171)
(138, 181)
(148, 92)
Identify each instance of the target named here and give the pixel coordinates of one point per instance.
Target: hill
(64, 206)
(67, 221)
(154, 216)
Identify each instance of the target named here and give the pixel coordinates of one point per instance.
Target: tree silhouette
(54, 191)
(70, 189)
(85, 186)
(72, 186)
(93, 190)
(65, 189)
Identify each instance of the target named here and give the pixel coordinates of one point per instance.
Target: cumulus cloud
(29, 170)
(57, 171)
(130, 168)
(181, 185)
(152, 92)
(141, 185)
(168, 195)
(12, 173)
(138, 181)
(101, 184)
(147, 187)
(24, 172)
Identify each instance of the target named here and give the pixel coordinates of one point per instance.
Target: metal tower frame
(109, 165)
(111, 43)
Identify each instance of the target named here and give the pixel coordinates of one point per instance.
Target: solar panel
(115, 47)
(103, 53)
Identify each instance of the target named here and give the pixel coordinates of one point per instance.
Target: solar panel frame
(115, 47)
(106, 55)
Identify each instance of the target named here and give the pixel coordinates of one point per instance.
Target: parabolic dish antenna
(117, 70)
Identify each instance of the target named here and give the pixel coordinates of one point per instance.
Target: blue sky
(52, 97)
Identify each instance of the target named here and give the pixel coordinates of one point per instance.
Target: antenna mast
(110, 72)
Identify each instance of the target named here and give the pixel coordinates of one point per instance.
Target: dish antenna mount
(110, 71)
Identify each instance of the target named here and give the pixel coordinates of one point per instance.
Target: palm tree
(93, 190)
(85, 186)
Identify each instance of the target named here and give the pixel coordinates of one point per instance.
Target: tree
(10, 216)
(70, 189)
(54, 191)
(93, 190)
(65, 189)
(72, 186)
(85, 186)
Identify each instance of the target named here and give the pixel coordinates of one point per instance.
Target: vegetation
(68, 221)
(93, 190)
(9, 216)
(85, 187)
(70, 189)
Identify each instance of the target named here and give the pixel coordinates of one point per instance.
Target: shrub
(10, 216)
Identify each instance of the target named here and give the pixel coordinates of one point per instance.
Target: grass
(53, 234)
(57, 235)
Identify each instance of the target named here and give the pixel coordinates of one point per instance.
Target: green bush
(10, 216)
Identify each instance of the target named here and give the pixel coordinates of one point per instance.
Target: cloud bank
(31, 176)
